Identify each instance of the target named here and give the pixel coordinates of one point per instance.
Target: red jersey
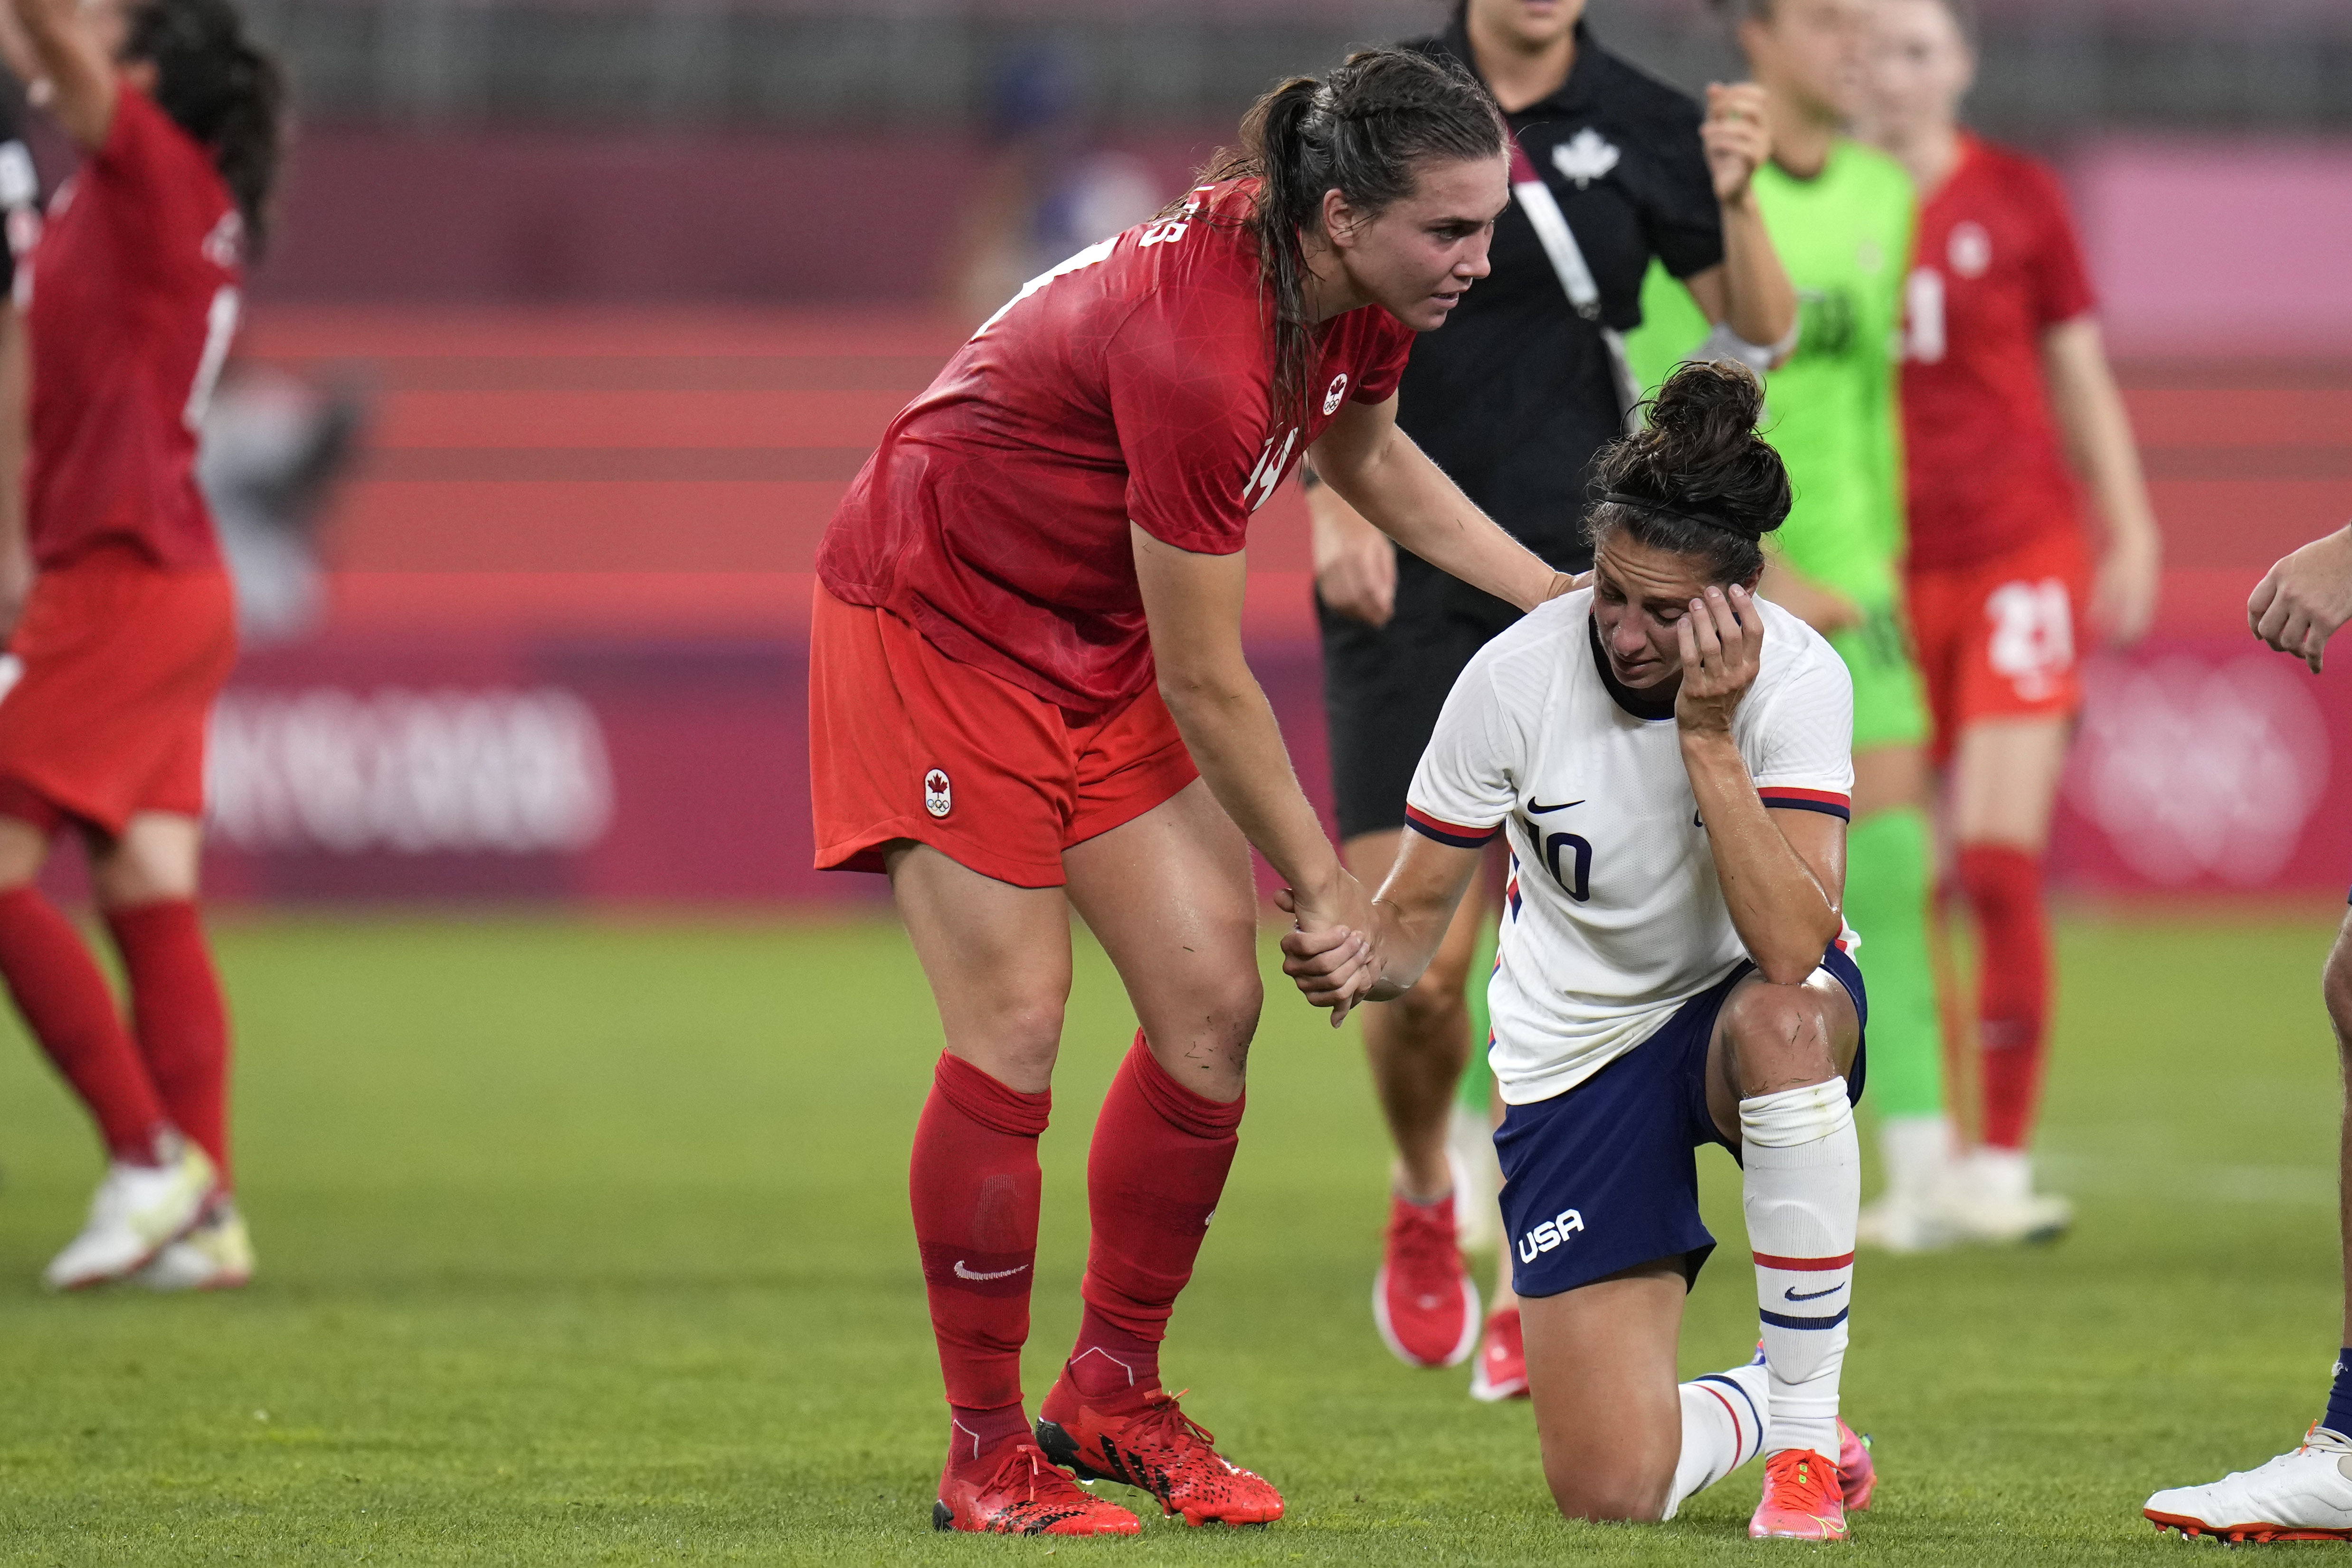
(1998, 265)
(1133, 381)
(133, 298)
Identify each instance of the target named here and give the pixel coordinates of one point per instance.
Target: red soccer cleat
(1502, 1370)
(1147, 1441)
(1026, 1495)
(1857, 1476)
(1801, 1500)
(1423, 1299)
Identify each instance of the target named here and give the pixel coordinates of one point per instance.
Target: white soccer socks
(1723, 1428)
(1801, 1194)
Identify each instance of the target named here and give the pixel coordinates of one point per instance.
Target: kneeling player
(1671, 758)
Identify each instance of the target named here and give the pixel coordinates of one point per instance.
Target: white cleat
(1990, 1197)
(137, 1212)
(2303, 1496)
(216, 1255)
(1902, 1223)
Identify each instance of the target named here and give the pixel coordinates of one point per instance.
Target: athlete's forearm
(1760, 302)
(1229, 726)
(1400, 492)
(1414, 907)
(1785, 919)
(2090, 410)
(81, 84)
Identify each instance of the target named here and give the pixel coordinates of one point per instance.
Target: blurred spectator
(1045, 194)
(272, 449)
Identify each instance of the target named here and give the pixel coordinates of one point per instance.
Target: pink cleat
(1802, 1500)
(1857, 1477)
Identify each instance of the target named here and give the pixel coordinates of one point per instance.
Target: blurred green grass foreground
(587, 1242)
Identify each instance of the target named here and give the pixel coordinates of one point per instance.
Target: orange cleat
(1148, 1442)
(1801, 1500)
(1026, 1495)
(1502, 1371)
(1857, 1476)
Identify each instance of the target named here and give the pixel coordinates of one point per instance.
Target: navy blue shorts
(1605, 1177)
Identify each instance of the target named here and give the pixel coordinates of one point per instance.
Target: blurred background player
(1611, 169)
(1014, 724)
(1841, 215)
(2004, 379)
(129, 630)
(2305, 1494)
(1048, 190)
(1670, 761)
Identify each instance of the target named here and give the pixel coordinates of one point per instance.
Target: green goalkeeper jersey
(1845, 238)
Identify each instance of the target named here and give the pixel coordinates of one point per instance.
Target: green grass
(588, 1242)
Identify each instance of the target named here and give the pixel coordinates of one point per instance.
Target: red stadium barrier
(565, 653)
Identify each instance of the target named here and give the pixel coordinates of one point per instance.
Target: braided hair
(1363, 130)
(218, 86)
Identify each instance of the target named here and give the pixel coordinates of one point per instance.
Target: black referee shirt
(1514, 395)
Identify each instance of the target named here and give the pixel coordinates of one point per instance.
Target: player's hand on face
(2304, 599)
(1722, 643)
(1736, 136)
(2122, 600)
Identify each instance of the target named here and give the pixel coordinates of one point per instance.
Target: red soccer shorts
(906, 743)
(120, 660)
(1998, 639)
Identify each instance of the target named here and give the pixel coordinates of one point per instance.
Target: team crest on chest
(1585, 157)
(1969, 249)
(938, 795)
(1337, 395)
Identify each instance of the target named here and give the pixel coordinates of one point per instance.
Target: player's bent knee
(1781, 1036)
(1434, 1002)
(1626, 1497)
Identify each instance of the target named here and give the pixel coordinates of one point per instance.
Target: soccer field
(589, 1242)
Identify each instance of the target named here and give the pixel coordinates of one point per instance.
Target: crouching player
(1671, 759)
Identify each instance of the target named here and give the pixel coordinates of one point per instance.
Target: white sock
(1801, 1194)
(1916, 1151)
(1723, 1428)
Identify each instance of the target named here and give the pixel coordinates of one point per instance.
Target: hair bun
(1700, 454)
(1709, 408)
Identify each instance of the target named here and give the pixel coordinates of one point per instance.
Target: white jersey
(1614, 917)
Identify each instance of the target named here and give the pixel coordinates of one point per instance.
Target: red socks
(66, 1004)
(1158, 1163)
(183, 1029)
(975, 1185)
(2004, 887)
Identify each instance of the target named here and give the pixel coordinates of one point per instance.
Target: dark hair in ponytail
(1699, 480)
(220, 88)
(1361, 131)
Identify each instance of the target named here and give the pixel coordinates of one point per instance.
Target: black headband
(1619, 498)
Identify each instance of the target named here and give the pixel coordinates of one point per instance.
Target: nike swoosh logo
(1535, 810)
(1791, 1293)
(963, 1273)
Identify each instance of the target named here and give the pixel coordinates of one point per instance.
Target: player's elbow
(1789, 957)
